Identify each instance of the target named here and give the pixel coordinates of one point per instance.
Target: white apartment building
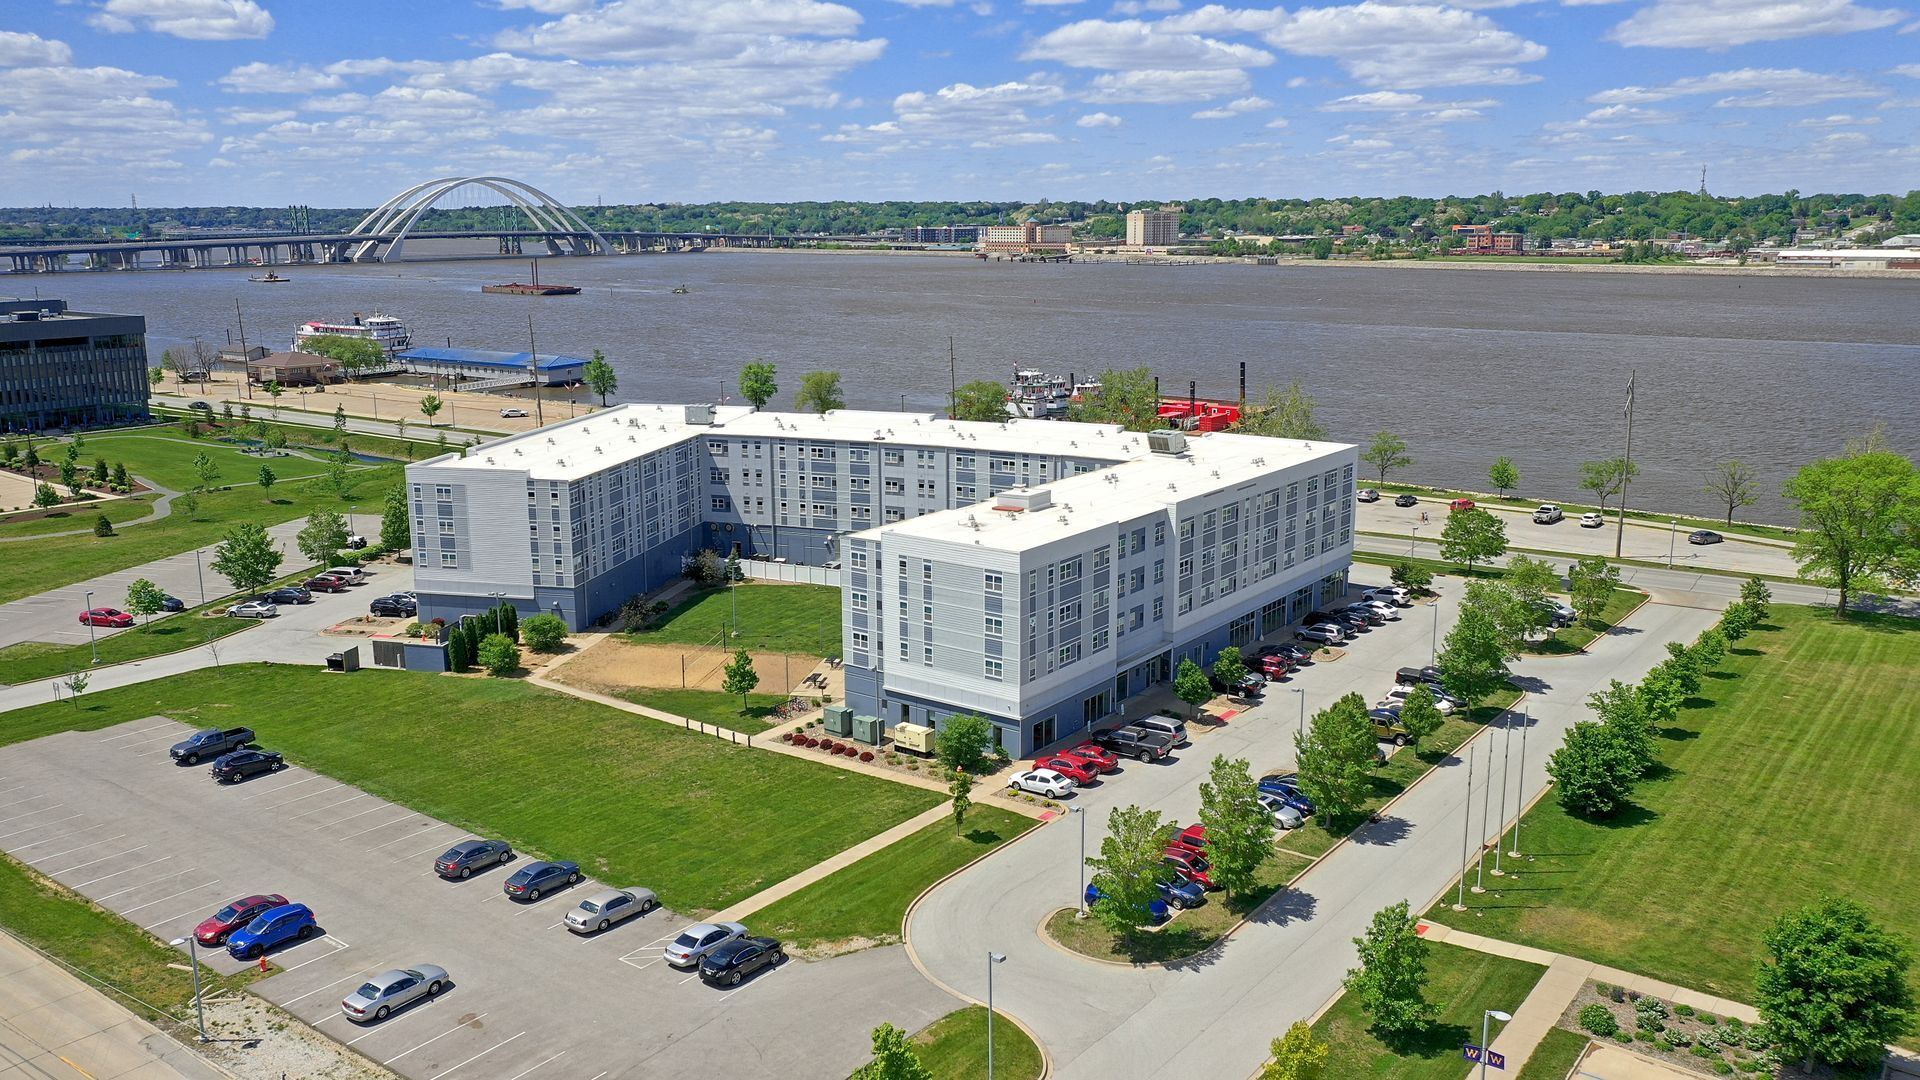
(1153, 228)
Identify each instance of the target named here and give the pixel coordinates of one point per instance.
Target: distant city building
(294, 369)
(63, 368)
(1026, 236)
(1482, 240)
(1153, 228)
(942, 234)
(1883, 258)
(476, 369)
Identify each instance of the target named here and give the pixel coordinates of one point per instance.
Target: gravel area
(253, 1040)
(1688, 1028)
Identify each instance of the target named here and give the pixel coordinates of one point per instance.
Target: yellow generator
(913, 739)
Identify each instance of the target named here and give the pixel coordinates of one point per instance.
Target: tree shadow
(1629, 815)
(1743, 651)
(1623, 631)
(1383, 832)
(1723, 676)
(1697, 702)
(1285, 907)
(1532, 684)
(1429, 1041)
(1678, 734)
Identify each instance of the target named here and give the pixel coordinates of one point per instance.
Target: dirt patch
(614, 665)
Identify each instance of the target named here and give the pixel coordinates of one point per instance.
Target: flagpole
(1626, 472)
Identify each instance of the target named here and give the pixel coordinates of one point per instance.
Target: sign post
(1484, 1057)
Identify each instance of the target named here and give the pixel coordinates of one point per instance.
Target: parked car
(1371, 615)
(271, 928)
(1043, 782)
(356, 542)
(1189, 866)
(1704, 536)
(1389, 594)
(1299, 654)
(1366, 495)
(1591, 521)
(1276, 666)
(393, 607)
(1458, 505)
(1442, 700)
(1321, 634)
(1181, 894)
(1286, 788)
(463, 858)
(290, 594)
(1388, 610)
(1430, 675)
(700, 939)
(1405, 500)
(200, 406)
(1155, 914)
(253, 609)
(105, 616)
(1100, 758)
(1246, 686)
(513, 414)
(603, 909)
(1139, 745)
(534, 879)
(1548, 514)
(1387, 725)
(240, 764)
(1073, 769)
(352, 575)
(173, 603)
(1284, 816)
(325, 583)
(390, 991)
(729, 963)
(1557, 613)
(209, 743)
(1170, 726)
(214, 928)
(1193, 838)
(1355, 623)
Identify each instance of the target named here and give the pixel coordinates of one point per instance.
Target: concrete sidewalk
(52, 1024)
(821, 869)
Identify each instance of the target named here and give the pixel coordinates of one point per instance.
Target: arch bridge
(393, 221)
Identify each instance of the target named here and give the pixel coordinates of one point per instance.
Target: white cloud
(1142, 7)
(966, 103)
(257, 116)
(1278, 123)
(1098, 120)
(1131, 44)
(1217, 19)
(195, 20)
(1153, 87)
(1412, 45)
(31, 50)
(1614, 116)
(1837, 120)
(1717, 24)
(260, 77)
(1911, 71)
(1750, 88)
(546, 7)
(683, 30)
(1236, 107)
(1015, 138)
(66, 127)
(1399, 101)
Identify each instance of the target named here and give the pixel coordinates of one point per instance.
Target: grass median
(954, 1047)
(1555, 1057)
(771, 618)
(712, 707)
(1462, 983)
(30, 660)
(1584, 632)
(1790, 775)
(553, 775)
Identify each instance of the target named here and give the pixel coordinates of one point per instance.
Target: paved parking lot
(108, 815)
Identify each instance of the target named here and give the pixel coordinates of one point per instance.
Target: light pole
(1520, 808)
(1486, 807)
(1415, 540)
(1673, 529)
(200, 1010)
(497, 598)
(1301, 693)
(91, 643)
(1082, 814)
(1466, 809)
(1434, 657)
(1486, 1026)
(199, 577)
(1506, 759)
(992, 959)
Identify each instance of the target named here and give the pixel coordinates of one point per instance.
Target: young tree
(1606, 478)
(1504, 474)
(1834, 985)
(1129, 868)
(1230, 666)
(340, 419)
(101, 474)
(120, 478)
(1472, 537)
(740, 678)
(1286, 413)
(103, 525)
(1755, 594)
(32, 458)
(1591, 583)
(1732, 482)
(274, 390)
(430, 407)
(70, 478)
(963, 742)
(735, 572)
(156, 376)
(1737, 621)
(76, 685)
(982, 399)
(893, 1058)
(1388, 452)
(9, 453)
(1191, 686)
(1473, 658)
(1593, 771)
(1335, 758)
(1411, 576)
(1621, 709)
(174, 364)
(323, 537)
(960, 788)
(145, 599)
(757, 383)
(396, 531)
(266, 479)
(1419, 715)
(819, 393)
(205, 472)
(1127, 398)
(246, 557)
(44, 496)
(1859, 522)
(1297, 1055)
(600, 376)
(545, 633)
(1239, 829)
(1391, 980)
(706, 569)
(339, 474)
(499, 655)
(1529, 580)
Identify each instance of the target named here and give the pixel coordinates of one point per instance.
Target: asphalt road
(1214, 1015)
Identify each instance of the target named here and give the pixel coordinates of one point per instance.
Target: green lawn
(165, 456)
(772, 618)
(1574, 510)
(1461, 983)
(1791, 776)
(30, 660)
(863, 904)
(80, 515)
(324, 439)
(554, 775)
(1555, 1057)
(712, 707)
(954, 1047)
(1572, 639)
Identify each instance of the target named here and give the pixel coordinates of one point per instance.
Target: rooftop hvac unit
(700, 414)
(1167, 442)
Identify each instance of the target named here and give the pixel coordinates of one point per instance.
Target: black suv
(1413, 676)
(1405, 500)
(244, 763)
(393, 606)
(1138, 745)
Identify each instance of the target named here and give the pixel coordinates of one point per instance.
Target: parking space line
(435, 1039)
(170, 918)
(390, 1024)
(756, 981)
(141, 731)
(29, 798)
(356, 975)
(117, 873)
(283, 787)
(68, 836)
(41, 825)
(102, 900)
(329, 806)
(169, 896)
(143, 742)
(30, 813)
(690, 978)
(415, 836)
(378, 827)
(115, 855)
(339, 947)
(478, 1056)
(308, 795)
(550, 899)
(350, 817)
(518, 1075)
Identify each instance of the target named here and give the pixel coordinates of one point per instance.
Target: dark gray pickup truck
(210, 743)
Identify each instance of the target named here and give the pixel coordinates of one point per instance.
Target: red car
(214, 928)
(1097, 756)
(325, 583)
(1193, 838)
(1189, 866)
(1074, 769)
(106, 616)
(1276, 666)
(1460, 504)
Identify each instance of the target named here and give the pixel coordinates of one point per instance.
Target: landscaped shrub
(1599, 1020)
(1619, 994)
(1603, 989)
(1683, 1010)
(1723, 1068)
(1758, 1037)
(1708, 1040)
(1643, 1035)
(866, 755)
(1700, 1051)
(1651, 1006)
(1708, 1019)
(1679, 1038)
(1661, 1043)
(1622, 1037)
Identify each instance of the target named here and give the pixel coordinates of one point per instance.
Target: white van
(1164, 725)
(352, 575)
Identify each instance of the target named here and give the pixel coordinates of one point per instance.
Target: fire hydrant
(263, 966)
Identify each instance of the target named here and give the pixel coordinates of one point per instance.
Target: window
(1212, 521)
(892, 457)
(994, 669)
(1099, 639)
(1099, 600)
(858, 558)
(1070, 611)
(926, 613)
(963, 461)
(859, 600)
(1002, 464)
(1159, 533)
(894, 513)
(1230, 513)
(442, 492)
(1070, 570)
(903, 649)
(1069, 653)
(1186, 528)
(995, 583)
(717, 476)
(1186, 604)
(927, 654)
(1100, 558)
(895, 486)
(1186, 567)
(859, 640)
(719, 503)
(446, 526)
(1159, 571)
(449, 558)
(1159, 608)
(995, 626)
(926, 570)
(861, 483)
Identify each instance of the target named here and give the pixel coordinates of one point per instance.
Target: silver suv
(1548, 514)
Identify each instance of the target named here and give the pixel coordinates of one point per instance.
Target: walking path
(854, 854)
(1561, 984)
(162, 507)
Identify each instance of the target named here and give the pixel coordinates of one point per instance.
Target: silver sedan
(697, 941)
(609, 906)
(391, 991)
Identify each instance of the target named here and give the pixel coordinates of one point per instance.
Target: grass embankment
(554, 775)
(712, 707)
(322, 439)
(863, 904)
(1584, 632)
(1790, 776)
(772, 618)
(165, 456)
(1462, 983)
(106, 947)
(1555, 1057)
(954, 1047)
(79, 516)
(30, 660)
(1574, 510)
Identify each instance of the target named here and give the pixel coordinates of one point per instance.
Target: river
(1466, 366)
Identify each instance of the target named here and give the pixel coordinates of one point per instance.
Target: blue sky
(342, 102)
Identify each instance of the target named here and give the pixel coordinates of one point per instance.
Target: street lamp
(1486, 1019)
(1673, 530)
(1415, 540)
(497, 598)
(992, 959)
(199, 1009)
(199, 577)
(1435, 652)
(1082, 814)
(91, 643)
(1302, 694)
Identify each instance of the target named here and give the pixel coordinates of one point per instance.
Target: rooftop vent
(1019, 499)
(701, 415)
(1167, 442)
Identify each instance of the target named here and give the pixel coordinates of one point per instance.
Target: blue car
(274, 927)
(1182, 894)
(1287, 791)
(1156, 910)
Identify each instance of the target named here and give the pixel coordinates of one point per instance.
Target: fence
(768, 570)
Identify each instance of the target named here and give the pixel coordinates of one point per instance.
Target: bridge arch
(399, 214)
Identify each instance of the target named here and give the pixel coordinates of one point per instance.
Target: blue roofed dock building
(485, 369)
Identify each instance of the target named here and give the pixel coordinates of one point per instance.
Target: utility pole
(1626, 473)
(1520, 808)
(533, 370)
(246, 359)
(1466, 824)
(953, 382)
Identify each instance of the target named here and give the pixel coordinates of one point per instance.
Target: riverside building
(65, 368)
(1036, 572)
